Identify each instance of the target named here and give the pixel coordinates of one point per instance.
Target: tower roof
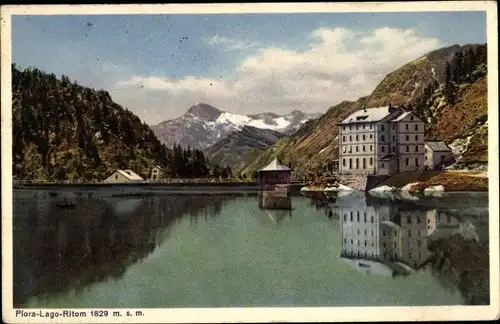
(275, 166)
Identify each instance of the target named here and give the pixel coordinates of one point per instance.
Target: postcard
(291, 162)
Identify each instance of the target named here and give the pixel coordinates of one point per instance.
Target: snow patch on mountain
(203, 125)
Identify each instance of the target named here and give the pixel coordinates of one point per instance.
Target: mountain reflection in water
(57, 250)
(249, 249)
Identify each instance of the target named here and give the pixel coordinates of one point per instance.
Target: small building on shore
(437, 154)
(157, 173)
(120, 176)
(273, 175)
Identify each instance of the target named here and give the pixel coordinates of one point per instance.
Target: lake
(195, 249)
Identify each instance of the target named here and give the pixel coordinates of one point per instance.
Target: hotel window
(351, 215)
(382, 165)
(416, 148)
(393, 126)
(371, 161)
(364, 215)
(394, 148)
(364, 137)
(418, 219)
(343, 162)
(365, 232)
(407, 127)
(416, 162)
(365, 245)
(393, 138)
(409, 234)
(408, 220)
(411, 117)
(382, 128)
(416, 127)
(382, 148)
(382, 138)
(371, 136)
(357, 148)
(350, 138)
(343, 127)
(350, 149)
(407, 148)
(364, 126)
(370, 126)
(407, 161)
(407, 138)
(364, 148)
(350, 127)
(357, 217)
(371, 219)
(357, 126)
(343, 138)
(345, 217)
(357, 137)
(371, 147)
(416, 137)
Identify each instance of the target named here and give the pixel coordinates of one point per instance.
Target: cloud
(339, 64)
(230, 43)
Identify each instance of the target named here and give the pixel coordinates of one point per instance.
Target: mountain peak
(204, 111)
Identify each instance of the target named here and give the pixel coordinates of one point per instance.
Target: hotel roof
(368, 115)
(402, 116)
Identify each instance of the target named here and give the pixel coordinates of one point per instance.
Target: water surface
(222, 250)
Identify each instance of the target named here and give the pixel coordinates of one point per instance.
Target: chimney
(391, 108)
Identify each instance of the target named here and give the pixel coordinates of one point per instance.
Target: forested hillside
(65, 131)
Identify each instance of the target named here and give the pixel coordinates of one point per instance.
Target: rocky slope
(443, 86)
(65, 131)
(231, 149)
(203, 125)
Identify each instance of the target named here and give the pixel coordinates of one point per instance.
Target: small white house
(156, 173)
(123, 176)
(437, 153)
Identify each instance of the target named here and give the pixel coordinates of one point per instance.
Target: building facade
(437, 153)
(381, 141)
(157, 173)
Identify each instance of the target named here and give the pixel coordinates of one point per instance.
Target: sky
(159, 65)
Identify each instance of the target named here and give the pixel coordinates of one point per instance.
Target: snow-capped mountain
(203, 125)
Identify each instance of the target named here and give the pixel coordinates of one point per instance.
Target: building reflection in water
(388, 238)
(57, 250)
(276, 203)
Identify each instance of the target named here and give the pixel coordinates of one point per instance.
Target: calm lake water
(227, 250)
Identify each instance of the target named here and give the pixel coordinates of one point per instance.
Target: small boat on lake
(66, 205)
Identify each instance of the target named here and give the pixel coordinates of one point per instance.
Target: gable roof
(369, 115)
(402, 116)
(275, 166)
(129, 174)
(438, 146)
